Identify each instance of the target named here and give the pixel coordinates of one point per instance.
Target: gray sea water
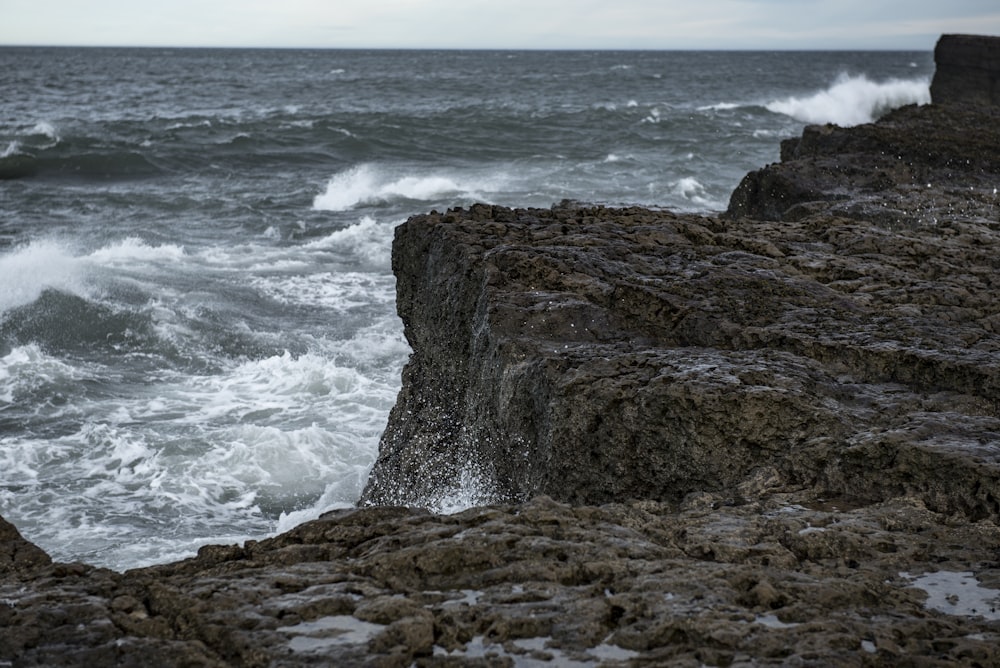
(198, 340)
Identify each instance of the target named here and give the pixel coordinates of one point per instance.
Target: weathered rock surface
(16, 554)
(967, 70)
(768, 438)
(785, 580)
(596, 355)
(917, 165)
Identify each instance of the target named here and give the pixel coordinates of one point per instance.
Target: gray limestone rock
(598, 355)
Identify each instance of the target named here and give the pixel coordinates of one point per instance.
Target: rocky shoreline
(770, 437)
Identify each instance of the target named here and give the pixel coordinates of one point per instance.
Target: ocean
(198, 338)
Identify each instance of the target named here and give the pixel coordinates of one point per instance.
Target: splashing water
(853, 100)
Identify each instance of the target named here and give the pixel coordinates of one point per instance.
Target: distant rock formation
(915, 165)
(967, 70)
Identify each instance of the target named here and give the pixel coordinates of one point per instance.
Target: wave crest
(853, 100)
(30, 270)
(365, 184)
(47, 264)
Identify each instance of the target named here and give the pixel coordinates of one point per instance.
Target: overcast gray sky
(514, 24)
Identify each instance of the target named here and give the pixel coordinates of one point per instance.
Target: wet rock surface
(788, 579)
(595, 355)
(765, 438)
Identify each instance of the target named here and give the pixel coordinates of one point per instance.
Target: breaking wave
(853, 100)
(367, 184)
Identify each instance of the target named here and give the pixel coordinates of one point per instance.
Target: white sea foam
(367, 240)
(368, 184)
(692, 190)
(721, 106)
(341, 291)
(133, 250)
(852, 100)
(263, 445)
(29, 270)
(27, 367)
(44, 264)
(46, 129)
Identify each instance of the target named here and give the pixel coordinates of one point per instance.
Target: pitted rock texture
(786, 579)
(598, 355)
(918, 165)
(16, 553)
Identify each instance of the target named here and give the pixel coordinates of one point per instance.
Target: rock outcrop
(967, 70)
(596, 355)
(18, 555)
(765, 438)
(917, 165)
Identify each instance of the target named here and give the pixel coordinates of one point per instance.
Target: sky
(497, 24)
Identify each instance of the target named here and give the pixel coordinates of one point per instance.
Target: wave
(341, 291)
(23, 369)
(13, 148)
(853, 100)
(367, 240)
(691, 190)
(134, 250)
(47, 130)
(100, 165)
(30, 270)
(16, 165)
(721, 106)
(367, 184)
(62, 321)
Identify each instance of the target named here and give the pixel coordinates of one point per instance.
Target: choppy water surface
(198, 340)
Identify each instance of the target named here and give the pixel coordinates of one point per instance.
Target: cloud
(585, 24)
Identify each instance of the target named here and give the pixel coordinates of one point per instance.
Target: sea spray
(368, 184)
(31, 269)
(852, 100)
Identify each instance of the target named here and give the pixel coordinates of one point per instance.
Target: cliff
(770, 437)
(596, 355)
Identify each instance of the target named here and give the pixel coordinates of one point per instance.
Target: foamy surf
(367, 239)
(368, 184)
(29, 270)
(267, 439)
(853, 100)
(249, 442)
